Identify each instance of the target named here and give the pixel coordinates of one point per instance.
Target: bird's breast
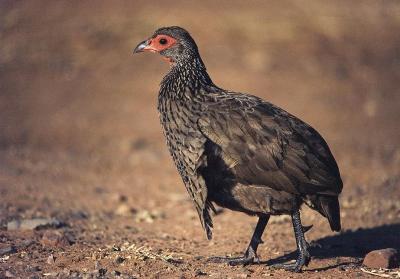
(184, 139)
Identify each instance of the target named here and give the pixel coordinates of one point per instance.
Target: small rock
(149, 217)
(385, 258)
(200, 273)
(51, 259)
(119, 260)
(32, 224)
(115, 273)
(119, 198)
(116, 248)
(7, 249)
(33, 268)
(102, 271)
(74, 274)
(124, 210)
(144, 216)
(55, 239)
(8, 274)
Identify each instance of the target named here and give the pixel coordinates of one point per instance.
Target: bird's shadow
(350, 243)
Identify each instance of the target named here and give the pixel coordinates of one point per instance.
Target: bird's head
(173, 43)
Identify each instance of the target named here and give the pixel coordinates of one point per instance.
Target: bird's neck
(188, 74)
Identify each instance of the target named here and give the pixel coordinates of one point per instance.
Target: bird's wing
(188, 155)
(195, 183)
(264, 145)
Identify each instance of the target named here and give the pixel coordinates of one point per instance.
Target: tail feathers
(330, 209)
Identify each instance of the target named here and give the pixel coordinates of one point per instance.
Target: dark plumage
(239, 151)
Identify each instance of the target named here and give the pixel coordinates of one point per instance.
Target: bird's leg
(304, 256)
(250, 255)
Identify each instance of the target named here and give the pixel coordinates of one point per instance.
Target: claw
(296, 266)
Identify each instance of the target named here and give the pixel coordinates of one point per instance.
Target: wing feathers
(261, 146)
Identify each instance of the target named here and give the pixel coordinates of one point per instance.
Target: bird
(240, 152)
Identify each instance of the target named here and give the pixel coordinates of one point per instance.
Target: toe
(293, 267)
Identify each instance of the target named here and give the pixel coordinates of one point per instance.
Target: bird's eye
(163, 41)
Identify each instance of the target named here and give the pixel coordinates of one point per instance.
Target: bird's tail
(329, 207)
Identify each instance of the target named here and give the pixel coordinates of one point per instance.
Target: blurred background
(78, 118)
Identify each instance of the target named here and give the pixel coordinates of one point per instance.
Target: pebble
(32, 224)
(55, 239)
(33, 268)
(7, 249)
(8, 274)
(119, 198)
(115, 273)
(200, 273)
(384, 258)
(149, 216)
(51, 259)
(102, 271)
(74, 274)
(124, 210)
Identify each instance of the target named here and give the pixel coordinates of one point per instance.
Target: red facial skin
(155, 45)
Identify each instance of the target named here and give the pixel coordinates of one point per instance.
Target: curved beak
(143, 46)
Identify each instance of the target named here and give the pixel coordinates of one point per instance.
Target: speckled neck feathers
(189, 73)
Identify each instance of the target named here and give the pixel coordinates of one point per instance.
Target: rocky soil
(87, 188)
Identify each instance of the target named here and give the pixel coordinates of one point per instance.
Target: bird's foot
(296, 266)
(243, 260)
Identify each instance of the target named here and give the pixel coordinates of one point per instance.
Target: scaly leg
(304, 256)
(250, 256)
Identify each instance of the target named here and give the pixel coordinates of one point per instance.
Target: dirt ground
(80, 139)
